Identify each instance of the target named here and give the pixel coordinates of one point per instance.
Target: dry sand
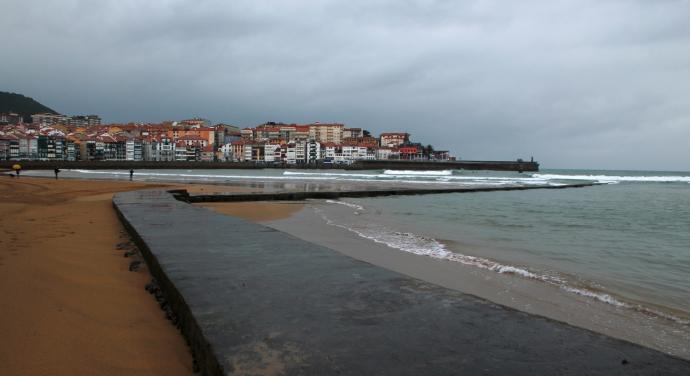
(256, 211)
(68, 303)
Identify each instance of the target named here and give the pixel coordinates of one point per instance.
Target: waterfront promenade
(254, 300)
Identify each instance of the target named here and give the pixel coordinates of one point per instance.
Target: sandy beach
(70, 306)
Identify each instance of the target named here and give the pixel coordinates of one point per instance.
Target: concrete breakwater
(518, 166)
(254, 300)
(359, 165)
(304, 195)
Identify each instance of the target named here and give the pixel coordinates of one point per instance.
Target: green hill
(25, 106)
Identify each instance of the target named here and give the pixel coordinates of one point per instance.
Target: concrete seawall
(304, 195)
(519, 166)
(254, 300)
(359, 165)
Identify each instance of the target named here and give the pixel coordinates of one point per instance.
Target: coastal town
(56, 137)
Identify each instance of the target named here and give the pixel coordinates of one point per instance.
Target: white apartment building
(226, 151)
(134, 150)
(383, 153)
(393, 140)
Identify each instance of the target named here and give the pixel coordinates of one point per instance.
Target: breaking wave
(420, 173)
(613, 179)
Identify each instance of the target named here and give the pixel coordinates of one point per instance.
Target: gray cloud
(574, 83)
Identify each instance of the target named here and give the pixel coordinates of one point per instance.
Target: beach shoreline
(506, 289)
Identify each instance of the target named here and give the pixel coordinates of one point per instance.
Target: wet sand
(70, 306)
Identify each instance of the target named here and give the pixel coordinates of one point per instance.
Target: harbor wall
(359, 165)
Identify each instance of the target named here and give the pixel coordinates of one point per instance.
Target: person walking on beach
(57, 171)
(131, 174)
(17, 167)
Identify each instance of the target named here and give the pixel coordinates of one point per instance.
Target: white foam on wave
(345, 203)
(602, 297)
(420, 173)
(613, 179)
(341, 174)
(327, 176)
(425, 246)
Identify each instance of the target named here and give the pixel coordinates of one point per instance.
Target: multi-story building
(353, 133)
(206, 133)
(134, 150)
(354, 152)
(384, 153)
(410, 152)
(181, 152)
(238, 150)
(247, 134)
(313, 151)
(10, 118)
(226, 152)
(328, 150)
(207, 154)
(12, 148)
(159, 149)
(326, 132)
(48, 119)
(28, 147)
(225, 134)
(394, 139)
(84, 120)
(5, 147)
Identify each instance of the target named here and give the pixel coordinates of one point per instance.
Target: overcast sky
(589, 83)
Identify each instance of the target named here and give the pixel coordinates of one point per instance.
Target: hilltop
(25, 106)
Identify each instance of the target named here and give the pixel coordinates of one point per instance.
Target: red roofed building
(394, 139)
(410, 152)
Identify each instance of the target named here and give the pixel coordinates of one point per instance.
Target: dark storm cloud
(574, 83)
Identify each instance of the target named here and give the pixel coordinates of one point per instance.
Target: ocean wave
(328, 176)
(345, 203)
(420, 173)
(612, 179)
(341, 174)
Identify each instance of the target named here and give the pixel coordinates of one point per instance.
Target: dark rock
(123, 245)
(152, 286)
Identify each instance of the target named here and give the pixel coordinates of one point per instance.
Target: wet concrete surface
(338, 193)
(254, 300)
